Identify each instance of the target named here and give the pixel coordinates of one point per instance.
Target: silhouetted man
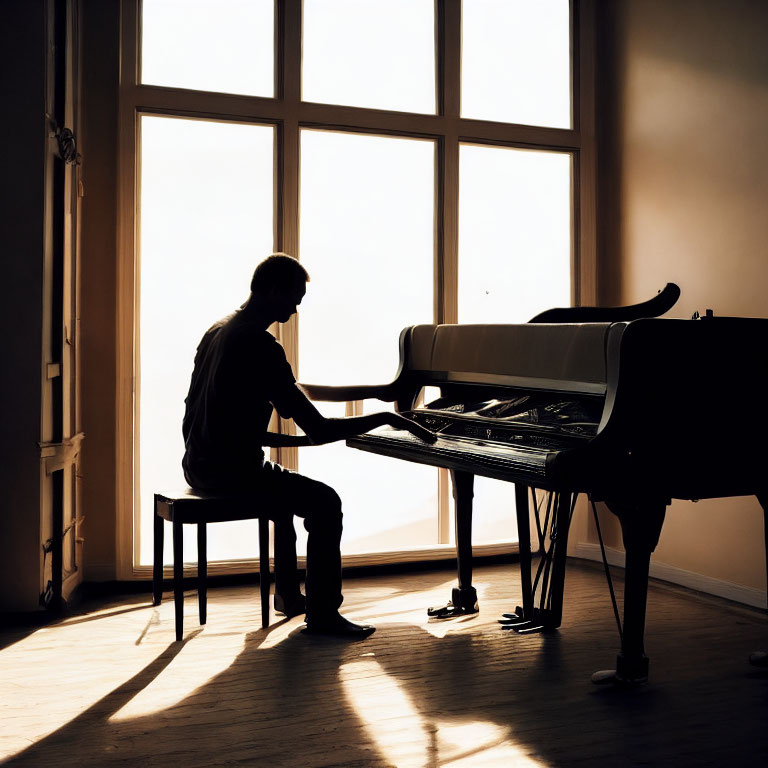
(240, 373)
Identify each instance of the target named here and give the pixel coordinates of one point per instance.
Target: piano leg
(523, 616)
(524, 539)
(641, 527)
(464, 597)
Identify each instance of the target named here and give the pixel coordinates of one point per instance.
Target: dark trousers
(287, 495)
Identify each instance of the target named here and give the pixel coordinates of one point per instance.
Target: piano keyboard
(525, 463)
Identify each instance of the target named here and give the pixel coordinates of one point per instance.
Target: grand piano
(619, 404)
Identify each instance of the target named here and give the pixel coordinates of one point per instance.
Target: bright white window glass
(514, 262)
(367, 240)
(225, 46)
(514, 233)
(370, 53)
(206, 221)
(516, 61)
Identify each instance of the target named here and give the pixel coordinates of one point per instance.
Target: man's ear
(273, 293)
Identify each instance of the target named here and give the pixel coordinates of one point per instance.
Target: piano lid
(568, 357)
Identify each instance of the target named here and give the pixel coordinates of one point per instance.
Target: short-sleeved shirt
(240, 373)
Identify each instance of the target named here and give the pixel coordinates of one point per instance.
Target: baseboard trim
(755, 598)
(415, 555)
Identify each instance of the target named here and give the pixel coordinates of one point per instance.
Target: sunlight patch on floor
(278, 633)
(54, 674)
(202, 659)
(479, 745)
(441, 628)
(405, 737)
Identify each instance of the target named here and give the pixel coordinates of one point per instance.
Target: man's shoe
(294, 606)
(337, 626)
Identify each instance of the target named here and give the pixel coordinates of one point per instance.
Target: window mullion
(448, 49)
(128, 551)
(288, 46)
(585, 182)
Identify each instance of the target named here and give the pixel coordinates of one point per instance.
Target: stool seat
(191, 506)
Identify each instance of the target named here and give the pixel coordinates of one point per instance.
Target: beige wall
(683, 110)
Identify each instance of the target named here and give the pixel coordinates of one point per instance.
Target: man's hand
(320, 430)
(400, 422)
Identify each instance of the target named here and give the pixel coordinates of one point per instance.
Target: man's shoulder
(215, 329)
(225, 323)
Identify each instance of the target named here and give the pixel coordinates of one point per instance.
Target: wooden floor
(112, 688)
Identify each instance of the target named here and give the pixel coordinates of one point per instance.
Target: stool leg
(202, 571)
(157, 563)
(178, 577)
(264, 569)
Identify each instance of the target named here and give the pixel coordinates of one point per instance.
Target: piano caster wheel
(463, 602)
(759, 659)
(627, 672)
(604, 677)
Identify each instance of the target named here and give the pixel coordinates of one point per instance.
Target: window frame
(289, 114)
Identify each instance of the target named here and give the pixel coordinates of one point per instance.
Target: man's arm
(320, 429)
(278, 440)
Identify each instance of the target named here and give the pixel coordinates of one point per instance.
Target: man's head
(279, 284)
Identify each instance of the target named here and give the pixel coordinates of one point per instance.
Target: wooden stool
(200, 508)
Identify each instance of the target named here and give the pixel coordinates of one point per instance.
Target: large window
(427, 160)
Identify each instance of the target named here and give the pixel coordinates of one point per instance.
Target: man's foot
(290, 607)
(336, 625)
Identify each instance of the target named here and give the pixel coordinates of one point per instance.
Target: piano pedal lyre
(518, 622)
(512, 620)
(552, 518)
